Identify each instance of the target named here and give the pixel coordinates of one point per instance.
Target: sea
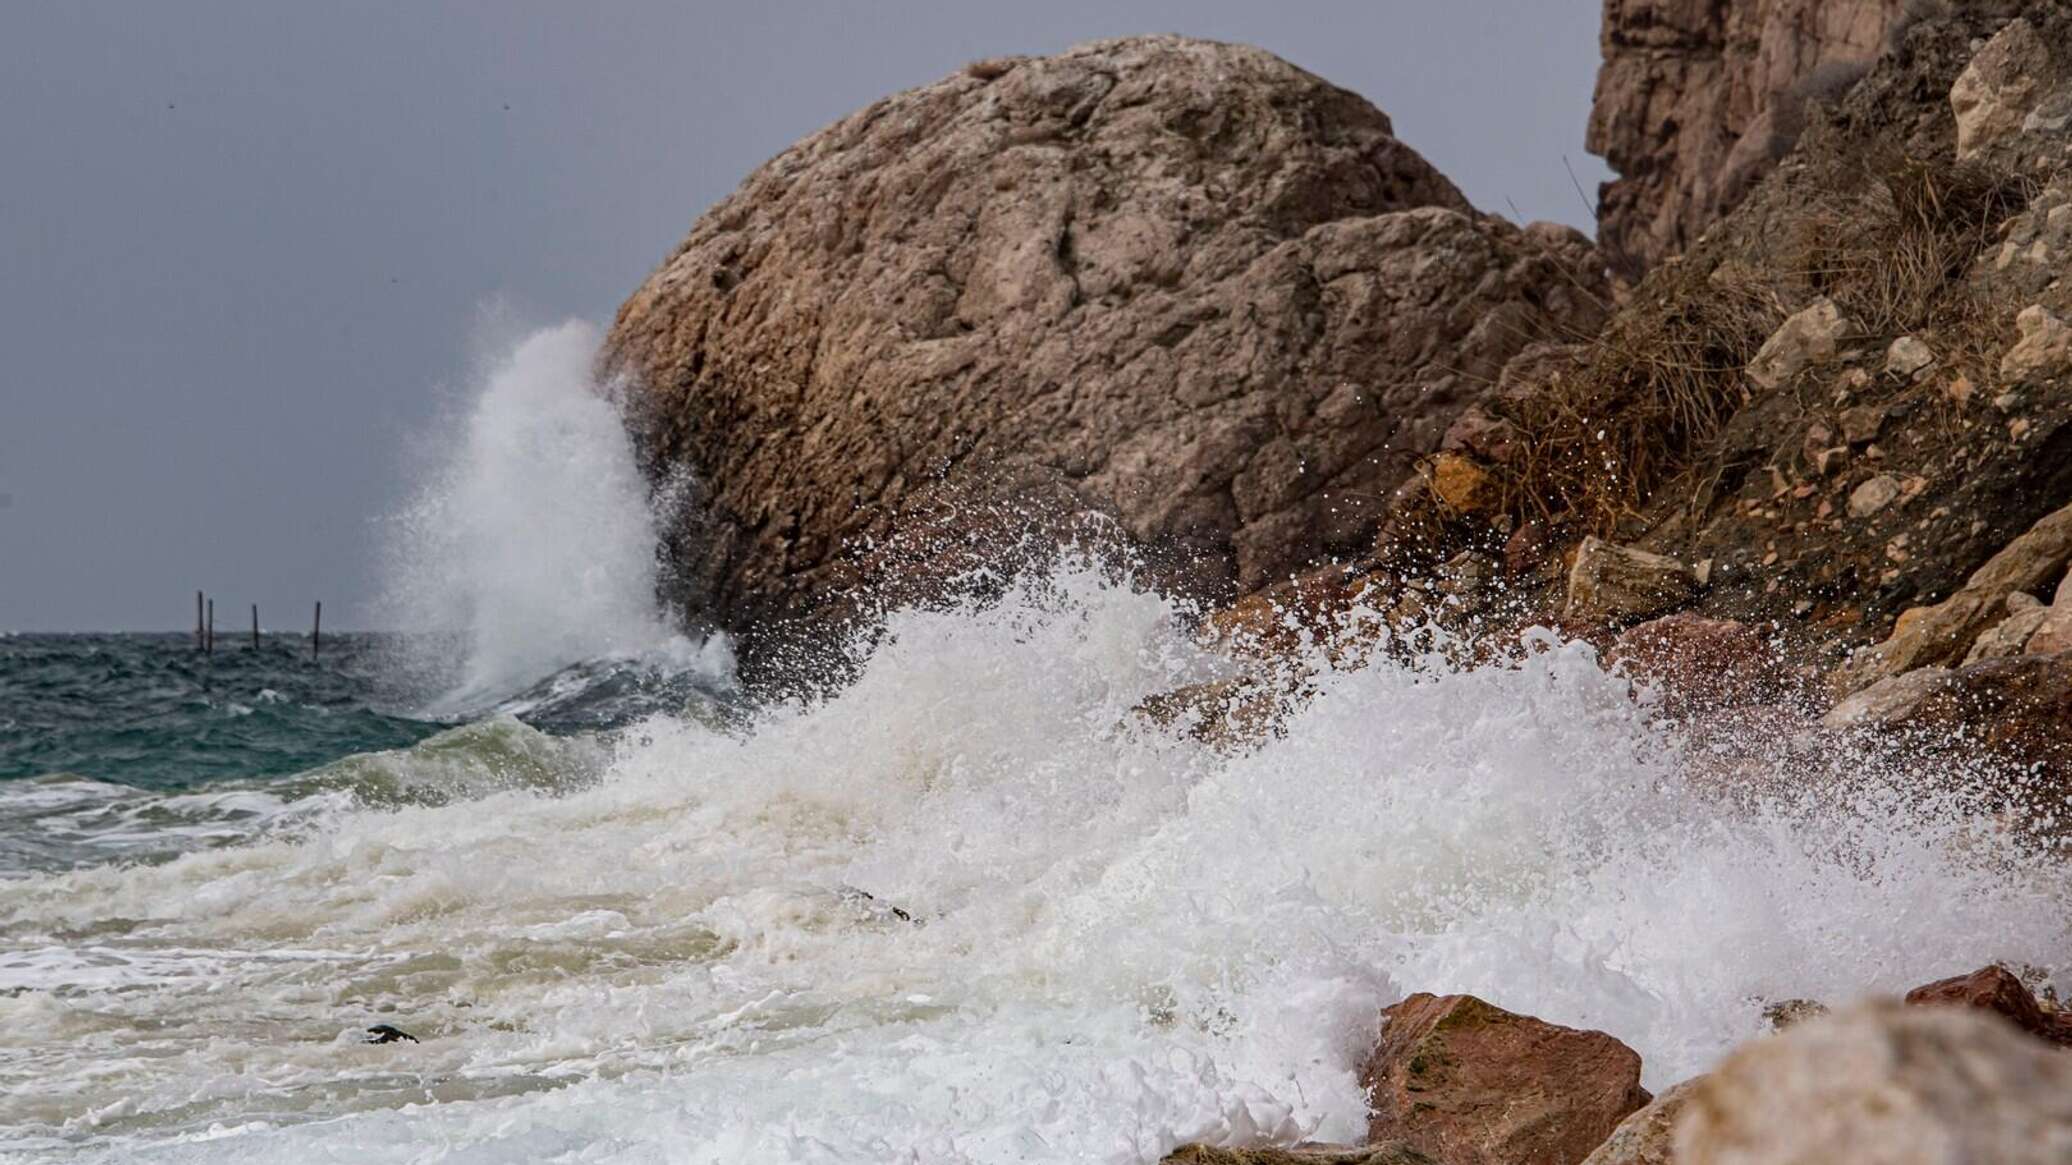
(969, 905)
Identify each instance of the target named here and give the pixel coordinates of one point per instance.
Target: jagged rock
(1945, 632)
(1698, 99)
(1890, 1084)
(2053, 632)
(1909, 357)
(1892, 700)
(1873, 495)
(1182, 282)
(1809, 337)
(1618, 584)
(2042, 348)
(2003, 84)
(2011, 635)
(1648, 1137)
(1472, 1084)
(2000, 991)
(1701, 664)
(1301, 1155)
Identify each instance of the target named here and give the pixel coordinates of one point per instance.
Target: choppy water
(971, 908)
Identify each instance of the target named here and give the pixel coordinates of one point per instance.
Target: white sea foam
(532, 539)
(1116, 938)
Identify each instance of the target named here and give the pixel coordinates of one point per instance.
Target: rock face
(1472, 1084)
(1898, 1085)
(1181, 282)
(1699, 98)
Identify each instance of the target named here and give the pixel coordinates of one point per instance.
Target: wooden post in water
(199, 643)
(209, 640)
(316, 632)
(255, 626)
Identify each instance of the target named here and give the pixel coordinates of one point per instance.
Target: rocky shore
(1791, 445)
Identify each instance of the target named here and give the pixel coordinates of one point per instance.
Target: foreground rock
(1184, 283)
(1301, 1155)
(1648, 1137)
(1891, 1084)
(2000, 991)
(1471, 1084)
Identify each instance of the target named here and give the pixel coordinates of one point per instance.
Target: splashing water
(534, 542)
(975, 909)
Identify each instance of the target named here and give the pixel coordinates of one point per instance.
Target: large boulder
(1891, 1084)
(1699, 98)
(1183, 283)
(1472, 1084)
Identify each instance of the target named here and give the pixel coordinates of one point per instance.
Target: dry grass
(1889, 242)
(1663, 375)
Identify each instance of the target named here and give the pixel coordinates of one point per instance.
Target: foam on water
(974, 909)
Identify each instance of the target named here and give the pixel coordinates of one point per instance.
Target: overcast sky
(245, 249)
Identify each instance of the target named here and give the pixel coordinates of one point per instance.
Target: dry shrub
(1891, 242)
(1660, 378)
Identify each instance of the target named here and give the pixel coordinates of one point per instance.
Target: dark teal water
(151, 711)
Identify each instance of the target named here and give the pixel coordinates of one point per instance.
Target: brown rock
(1998, 990)
(1472, 1084)
(1944, 632)
(1697, 99)
(2010, 636)
(1892, 700)
(1182, 282)
(1648, 1137)
(1702, 664)
(1888, 1084)
(1618, 584)
(1464, 485)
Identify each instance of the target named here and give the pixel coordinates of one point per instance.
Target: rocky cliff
(1182, 283)
(1697, 99)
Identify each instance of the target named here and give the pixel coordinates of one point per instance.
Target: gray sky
(246, 248)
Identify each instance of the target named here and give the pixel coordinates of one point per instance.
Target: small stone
(1810, 336)
(1873, 495)
(2042, 348)
(1786, 1012)
(1860, 425)
(1909, 357)
(1959, 389)
(2008, 402)
(2018, 428)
